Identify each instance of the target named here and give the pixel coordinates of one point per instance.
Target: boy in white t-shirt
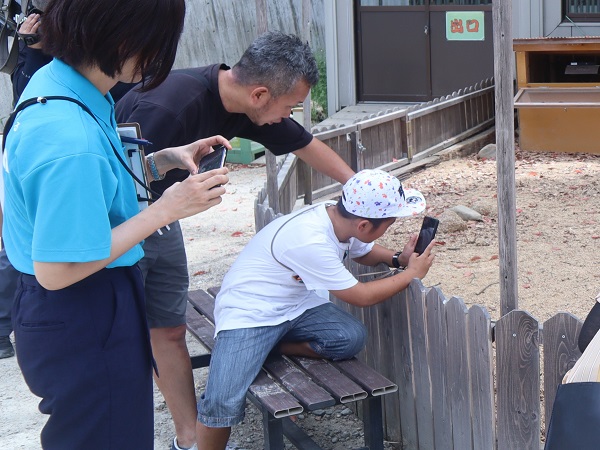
(272, 296)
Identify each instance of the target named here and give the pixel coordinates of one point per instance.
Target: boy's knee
(352, 340)
(358, 338)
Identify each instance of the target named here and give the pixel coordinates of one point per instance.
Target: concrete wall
(220, 30)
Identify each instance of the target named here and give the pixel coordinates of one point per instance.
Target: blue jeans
(239, 354)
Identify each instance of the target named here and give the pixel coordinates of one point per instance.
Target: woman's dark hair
(107, 33)
(346, 215)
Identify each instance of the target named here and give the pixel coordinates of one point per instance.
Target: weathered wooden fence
(464, 381)
(388, 141)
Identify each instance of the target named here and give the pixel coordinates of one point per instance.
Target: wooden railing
(388, 140)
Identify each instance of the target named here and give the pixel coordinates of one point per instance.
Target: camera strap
(10, 20)
(43, 101)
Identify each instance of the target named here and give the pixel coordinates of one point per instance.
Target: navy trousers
(85, 350)
(8, 286)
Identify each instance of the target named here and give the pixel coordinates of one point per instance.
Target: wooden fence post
(505, 144)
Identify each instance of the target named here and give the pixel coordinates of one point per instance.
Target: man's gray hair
(277, 61)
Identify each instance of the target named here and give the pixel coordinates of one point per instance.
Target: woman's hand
(187, 156)
(195, 194)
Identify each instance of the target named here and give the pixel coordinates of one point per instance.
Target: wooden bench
(290, 385)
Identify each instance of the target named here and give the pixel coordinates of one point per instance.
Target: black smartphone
(214, 160)
(427, 233)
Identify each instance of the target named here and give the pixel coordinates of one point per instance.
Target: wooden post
(305, 171)
(271, 159)
(505, 164)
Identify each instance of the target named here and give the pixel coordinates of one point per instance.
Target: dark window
(423, 2)
(582, 10)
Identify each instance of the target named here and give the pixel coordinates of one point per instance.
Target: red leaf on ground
(237, 234)
(200, 272)
(494, 257)
(526, 286)
(475, 258)
(532, 174)
(595, 237)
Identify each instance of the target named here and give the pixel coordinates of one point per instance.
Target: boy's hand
(420, 264)
(408, 250)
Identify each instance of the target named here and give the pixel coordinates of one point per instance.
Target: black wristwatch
(29, 39)
(395, 260)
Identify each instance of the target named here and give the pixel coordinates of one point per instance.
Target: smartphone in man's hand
(427, 233)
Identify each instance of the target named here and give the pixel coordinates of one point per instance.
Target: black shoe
(6, 348)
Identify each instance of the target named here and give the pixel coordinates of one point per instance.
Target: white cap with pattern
(375, 194)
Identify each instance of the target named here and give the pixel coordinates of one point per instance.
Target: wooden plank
(213, 291)
(273, 397)
(203, 302)
(309, 394)
(370, 380)
(421, 380)
(505, 159)
(482, 386)
(518, 382)
(458, 373)
(200, 327)
(327, 376)
(438, 362)
(560, 354)
(387, 367)
(401, 352)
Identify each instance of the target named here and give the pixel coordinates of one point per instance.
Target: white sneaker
(177, 447)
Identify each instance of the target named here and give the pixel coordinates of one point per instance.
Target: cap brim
(414, 203)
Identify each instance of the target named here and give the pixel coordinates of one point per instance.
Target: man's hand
(29, 28)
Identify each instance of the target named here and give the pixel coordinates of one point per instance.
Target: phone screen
(214, 160)
(427, 233)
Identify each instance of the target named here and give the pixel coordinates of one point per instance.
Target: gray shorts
(166, 280)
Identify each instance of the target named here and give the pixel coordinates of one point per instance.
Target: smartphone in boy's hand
(427, 233)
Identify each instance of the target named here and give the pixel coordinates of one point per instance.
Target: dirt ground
(558, 231)
(558, 251)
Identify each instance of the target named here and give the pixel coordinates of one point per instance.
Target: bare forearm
(323, 159)
(374, 292)
(58, 275)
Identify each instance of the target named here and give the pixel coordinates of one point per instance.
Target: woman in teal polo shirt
(72, 224)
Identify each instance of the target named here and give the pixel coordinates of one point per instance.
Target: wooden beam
(505, 140)
(271, 160)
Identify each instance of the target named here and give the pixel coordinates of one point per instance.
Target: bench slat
(273, 397)
(373, 382)
(214, 290)
(310, 395)
(203, 303)
(343, 389)
(199, 327)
